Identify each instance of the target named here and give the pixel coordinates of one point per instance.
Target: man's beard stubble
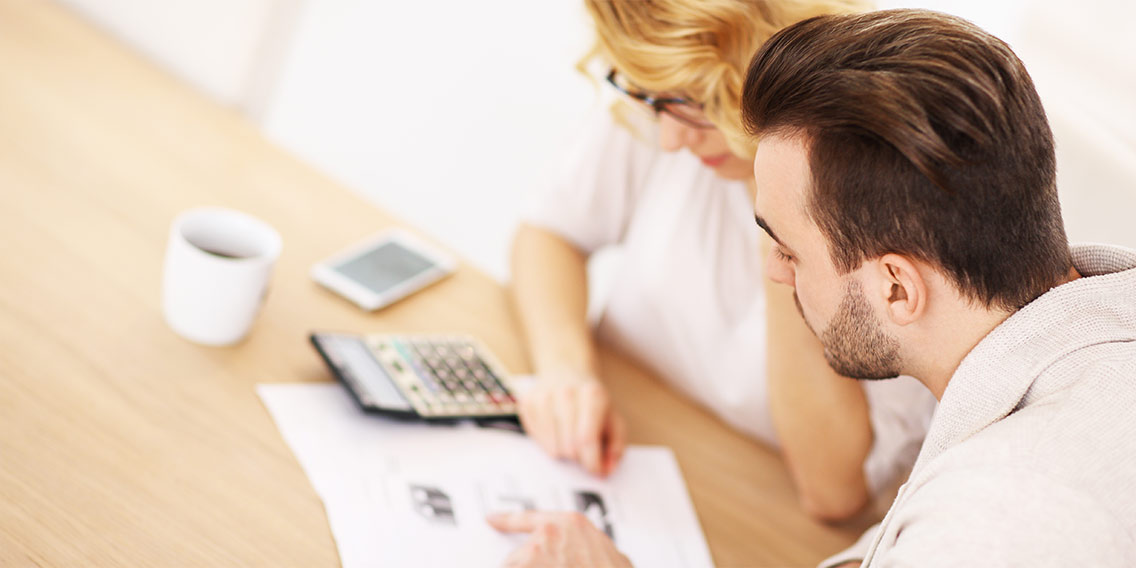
(855, 345)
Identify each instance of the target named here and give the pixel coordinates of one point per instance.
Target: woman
(675, 194)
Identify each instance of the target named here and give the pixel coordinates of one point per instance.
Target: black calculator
(426, 376)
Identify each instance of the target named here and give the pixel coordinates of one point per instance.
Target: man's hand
(571, 417)
(558, 540)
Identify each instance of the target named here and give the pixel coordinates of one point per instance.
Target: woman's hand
(570, 415)
(568, 411)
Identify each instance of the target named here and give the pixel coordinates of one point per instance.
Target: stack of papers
(413, 494)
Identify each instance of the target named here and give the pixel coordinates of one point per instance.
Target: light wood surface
(123, 444)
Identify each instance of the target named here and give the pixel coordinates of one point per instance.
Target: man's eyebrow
(765, 227)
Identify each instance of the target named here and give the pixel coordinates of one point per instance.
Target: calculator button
(463, 397)
(431, 386)
(427, 392)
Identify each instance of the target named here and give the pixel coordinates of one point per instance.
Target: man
(906, 174)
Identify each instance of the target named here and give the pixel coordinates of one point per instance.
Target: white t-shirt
(687, 298)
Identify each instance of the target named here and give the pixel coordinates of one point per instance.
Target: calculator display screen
(384, 267)
(355, 358)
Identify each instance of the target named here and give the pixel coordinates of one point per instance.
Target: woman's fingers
(616, 442)
(575, 420)
(564, 414)
(593, 410)
(536, 418)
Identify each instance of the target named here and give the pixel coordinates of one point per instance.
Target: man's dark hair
(926, 138)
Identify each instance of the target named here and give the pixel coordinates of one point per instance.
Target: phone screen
(383, 267)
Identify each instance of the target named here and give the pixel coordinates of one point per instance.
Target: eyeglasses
(684, 111)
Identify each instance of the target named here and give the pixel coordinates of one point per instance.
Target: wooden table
(123, 444)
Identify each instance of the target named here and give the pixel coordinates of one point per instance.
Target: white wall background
(230, 49)
(450, 113)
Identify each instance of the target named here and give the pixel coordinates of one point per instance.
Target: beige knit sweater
(1031, 456)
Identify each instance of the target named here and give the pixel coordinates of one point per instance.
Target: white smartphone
(383, 269)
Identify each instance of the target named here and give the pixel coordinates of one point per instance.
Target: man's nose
(674, 135)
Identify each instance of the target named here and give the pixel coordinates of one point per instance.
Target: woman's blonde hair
(697, 49)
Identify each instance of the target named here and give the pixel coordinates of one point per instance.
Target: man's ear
(902, 287)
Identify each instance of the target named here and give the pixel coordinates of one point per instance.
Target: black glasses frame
(659, 104)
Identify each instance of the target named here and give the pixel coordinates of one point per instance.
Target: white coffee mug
(218, 264)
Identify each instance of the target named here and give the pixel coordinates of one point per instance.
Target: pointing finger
(517, 522)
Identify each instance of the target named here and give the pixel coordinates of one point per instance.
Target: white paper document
(411, 494)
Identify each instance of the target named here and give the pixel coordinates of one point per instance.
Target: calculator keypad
(444, 376)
